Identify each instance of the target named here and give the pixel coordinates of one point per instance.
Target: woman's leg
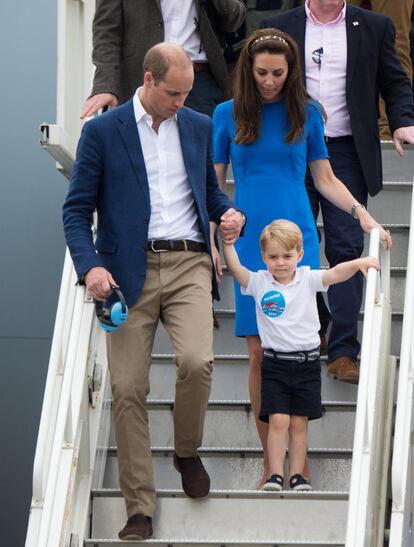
(255, 351)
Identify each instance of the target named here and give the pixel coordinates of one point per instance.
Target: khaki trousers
(177, 290)
(399, 11)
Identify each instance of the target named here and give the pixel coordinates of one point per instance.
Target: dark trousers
(344, 240)
(205, 95)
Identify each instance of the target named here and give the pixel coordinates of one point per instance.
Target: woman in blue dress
(271, 132)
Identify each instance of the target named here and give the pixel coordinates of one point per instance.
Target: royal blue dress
(269, 177)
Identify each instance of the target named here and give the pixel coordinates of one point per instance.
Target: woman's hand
(367, 223)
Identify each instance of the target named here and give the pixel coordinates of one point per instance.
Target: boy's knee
(298, 424)
(279, 421)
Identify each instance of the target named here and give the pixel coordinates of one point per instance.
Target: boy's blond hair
(287, 233)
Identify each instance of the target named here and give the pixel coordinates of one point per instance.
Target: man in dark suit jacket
(146, 168)
(348, 58)
(124, 30)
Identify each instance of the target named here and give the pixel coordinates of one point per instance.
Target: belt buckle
(157, 250)
(301, 357)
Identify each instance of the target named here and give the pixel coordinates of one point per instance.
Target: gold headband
(273, 37)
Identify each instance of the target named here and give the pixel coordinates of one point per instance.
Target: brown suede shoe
(345, 369)
(138, 527)
(194, 477)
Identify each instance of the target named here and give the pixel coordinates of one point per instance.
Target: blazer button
(146, 221)
(160, 24)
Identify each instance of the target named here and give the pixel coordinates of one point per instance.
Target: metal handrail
(55, 369)
(405, 398)
(367, 436)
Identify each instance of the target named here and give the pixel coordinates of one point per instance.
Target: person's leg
(255, 352)
(323, 311)
(298, 444)
(129, 355)
(187, 317)
(400, 14)
(344, 240)
(205, 94)
(276, 442)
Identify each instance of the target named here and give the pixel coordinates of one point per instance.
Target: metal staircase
(235, 512)
(76, 497)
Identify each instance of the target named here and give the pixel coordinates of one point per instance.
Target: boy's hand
(217, 264)
(368, 262)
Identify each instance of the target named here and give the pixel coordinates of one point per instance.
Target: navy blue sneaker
(298, 483)
(273, 483)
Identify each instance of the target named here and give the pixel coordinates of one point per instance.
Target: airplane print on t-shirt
(273, 304)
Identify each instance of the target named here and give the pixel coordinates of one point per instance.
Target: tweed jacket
(124, 30)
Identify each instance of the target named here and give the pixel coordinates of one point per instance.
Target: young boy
(288, 326)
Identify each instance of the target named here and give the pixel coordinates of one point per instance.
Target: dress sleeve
(316, 143)
(221, 138)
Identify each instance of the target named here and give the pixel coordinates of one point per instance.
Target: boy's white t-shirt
(287, 315)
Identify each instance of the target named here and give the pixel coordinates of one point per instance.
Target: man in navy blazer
(146, 168)
(348, 58)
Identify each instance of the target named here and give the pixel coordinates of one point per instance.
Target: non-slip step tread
(178, 542)
(213, 451)
(246, 517)
(238, 404)
(234, 494)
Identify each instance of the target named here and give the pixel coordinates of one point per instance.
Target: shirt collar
(311, 17)
(139, 111)
(296, 279)
(141, 114)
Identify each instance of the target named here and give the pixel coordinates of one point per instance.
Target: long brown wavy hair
(247, 101)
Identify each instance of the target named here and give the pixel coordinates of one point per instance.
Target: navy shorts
(291, 387)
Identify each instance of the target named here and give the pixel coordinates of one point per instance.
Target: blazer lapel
(299, 35)
(353, 37)
(187, 139)
(129, 134)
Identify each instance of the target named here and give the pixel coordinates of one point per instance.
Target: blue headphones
(110, 319)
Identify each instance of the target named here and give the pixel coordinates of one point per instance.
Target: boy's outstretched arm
(239, 272)
(345, 270)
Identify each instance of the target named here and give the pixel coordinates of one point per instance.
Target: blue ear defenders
(110, 319)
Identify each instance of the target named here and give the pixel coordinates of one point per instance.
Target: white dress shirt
(173, 212)
(181, 27)
(325, 65)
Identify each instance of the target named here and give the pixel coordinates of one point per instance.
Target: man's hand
(99, 283)
(96, 102)
(231, 223)
(401, 135)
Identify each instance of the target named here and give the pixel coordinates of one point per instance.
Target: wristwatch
(354, 208)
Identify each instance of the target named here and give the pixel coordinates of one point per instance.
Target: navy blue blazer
(372, 68)
(109, 175)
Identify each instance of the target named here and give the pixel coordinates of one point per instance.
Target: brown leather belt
(160, 245)
(200, 67)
